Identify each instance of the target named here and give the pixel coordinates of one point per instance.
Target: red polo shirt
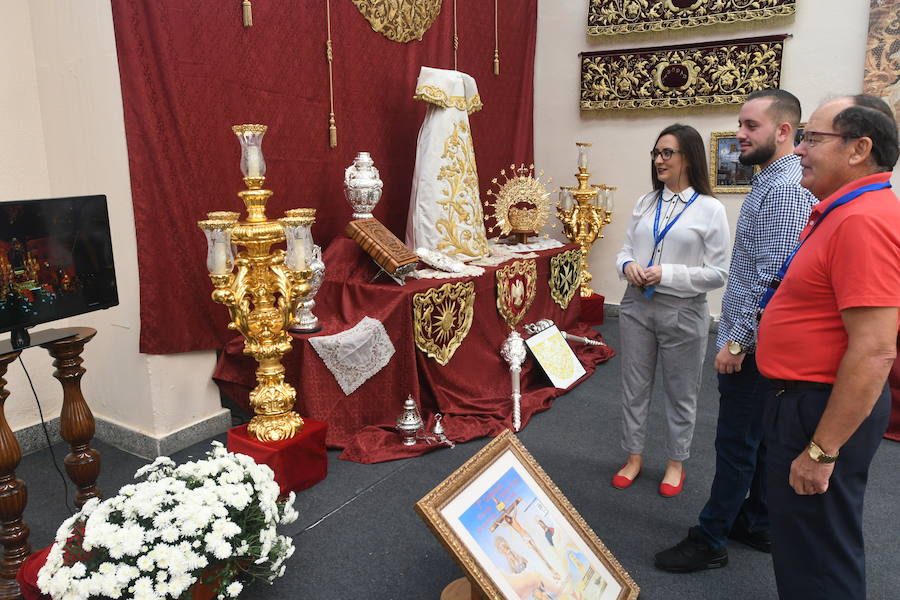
(851, 260)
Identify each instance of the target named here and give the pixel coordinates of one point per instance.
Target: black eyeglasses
(814, 138)
(666, 153)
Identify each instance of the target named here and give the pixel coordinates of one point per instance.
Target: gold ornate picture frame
(513, 531)
(726, 174)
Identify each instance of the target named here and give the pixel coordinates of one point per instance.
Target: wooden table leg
(76, 422)
(13, 497)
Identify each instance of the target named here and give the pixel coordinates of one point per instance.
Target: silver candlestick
(307, 322)
(514, 352)
(362, 186)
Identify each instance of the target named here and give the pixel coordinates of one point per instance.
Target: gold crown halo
(521, 203)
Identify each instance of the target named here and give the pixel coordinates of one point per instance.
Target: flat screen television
(56, 261)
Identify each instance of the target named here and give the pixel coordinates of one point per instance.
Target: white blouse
(695, 252)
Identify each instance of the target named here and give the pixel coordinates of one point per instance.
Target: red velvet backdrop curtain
(190, 70)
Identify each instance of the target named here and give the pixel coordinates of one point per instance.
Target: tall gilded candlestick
(261, 288)
(584, 211)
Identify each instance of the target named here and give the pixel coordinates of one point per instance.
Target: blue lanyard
(845, 199)
(658, 235)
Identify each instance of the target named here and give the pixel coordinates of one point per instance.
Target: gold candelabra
(584, 211)
(261, 287)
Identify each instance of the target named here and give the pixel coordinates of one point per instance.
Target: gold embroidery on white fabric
(435, 95)
(462, 227)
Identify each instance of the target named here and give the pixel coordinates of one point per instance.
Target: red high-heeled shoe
(667, 491)
(621, 482)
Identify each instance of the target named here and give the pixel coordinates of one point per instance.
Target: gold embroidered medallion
(462, 226)
(442, 317)
(516, 289)
(565, 277)
(400, 20)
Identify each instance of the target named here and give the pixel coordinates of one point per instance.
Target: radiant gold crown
(521, 203)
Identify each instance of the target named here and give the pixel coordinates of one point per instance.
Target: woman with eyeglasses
(676, 249)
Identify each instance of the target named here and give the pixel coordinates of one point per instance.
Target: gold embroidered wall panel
(721, 72)
(400, 20)
(629, 16)
(882, 78)
(442, 317)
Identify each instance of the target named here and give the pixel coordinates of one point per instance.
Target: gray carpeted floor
(359, 537)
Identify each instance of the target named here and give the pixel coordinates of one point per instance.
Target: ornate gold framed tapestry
(882, 78)
(516, 288)
(442, 317)
(629, 16)
(565, 277)
(721, 72)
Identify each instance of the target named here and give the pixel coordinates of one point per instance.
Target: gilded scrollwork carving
(400, 20)
(676, 76)
(630, 16)
(435, 95)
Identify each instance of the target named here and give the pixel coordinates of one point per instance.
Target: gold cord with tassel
(329, 54)
(247, 11)
(496, 42)
(455, 37)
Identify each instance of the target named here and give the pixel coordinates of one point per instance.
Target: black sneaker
(691, 554)
(758, 540)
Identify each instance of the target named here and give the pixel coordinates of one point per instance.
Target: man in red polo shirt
(827, 341)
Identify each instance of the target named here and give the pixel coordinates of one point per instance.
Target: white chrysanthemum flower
(234, 589)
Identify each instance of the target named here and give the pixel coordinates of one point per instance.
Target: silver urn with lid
(362, 186)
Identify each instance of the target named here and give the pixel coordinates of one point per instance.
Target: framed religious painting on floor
(516, 535)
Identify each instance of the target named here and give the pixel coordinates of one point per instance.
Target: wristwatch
(734, 348)
(817, 454)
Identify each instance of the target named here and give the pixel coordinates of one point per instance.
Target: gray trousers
(676, 330)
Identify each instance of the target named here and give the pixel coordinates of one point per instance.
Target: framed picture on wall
(514, 533)
(726, 174)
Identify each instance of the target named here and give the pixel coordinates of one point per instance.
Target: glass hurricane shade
(297, 225)
(565, 198)
(219, 255)
(252, 162)
(584, 150)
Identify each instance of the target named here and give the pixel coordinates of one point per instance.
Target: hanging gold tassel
(496, 42)
(247, 11)
(455, 37)
(329, 55)
(332, 131)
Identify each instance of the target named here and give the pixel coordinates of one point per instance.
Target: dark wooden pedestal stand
(82, 462)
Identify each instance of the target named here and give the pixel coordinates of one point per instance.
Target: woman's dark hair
(693, 149)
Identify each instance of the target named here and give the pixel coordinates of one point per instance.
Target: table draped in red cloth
(893, 430)
(190, 70)
(472, 391)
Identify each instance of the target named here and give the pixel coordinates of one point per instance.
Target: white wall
(62, 125)
(824, 58)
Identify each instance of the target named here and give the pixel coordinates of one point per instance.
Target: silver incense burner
(409, 422)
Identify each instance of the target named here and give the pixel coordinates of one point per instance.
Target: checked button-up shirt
(771, 218)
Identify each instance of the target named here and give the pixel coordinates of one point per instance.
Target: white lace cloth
(544, 244)
(500, 253)
(355, 355)
(468, 271)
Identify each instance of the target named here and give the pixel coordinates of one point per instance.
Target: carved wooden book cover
(382, 245)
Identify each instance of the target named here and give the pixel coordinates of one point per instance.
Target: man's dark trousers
(740, 457)
(817, 541)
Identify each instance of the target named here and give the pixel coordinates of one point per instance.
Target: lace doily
(500, 253)
(355, 355)
(440, 261)
(544, 244)
(468, 271)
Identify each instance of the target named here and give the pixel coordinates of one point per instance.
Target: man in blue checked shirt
(770, 221)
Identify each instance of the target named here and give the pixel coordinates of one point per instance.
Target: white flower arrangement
(210, 521)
